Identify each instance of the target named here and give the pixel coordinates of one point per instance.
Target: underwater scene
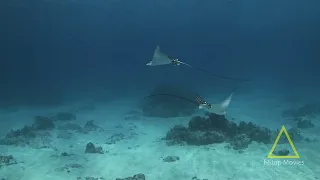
(160, 90)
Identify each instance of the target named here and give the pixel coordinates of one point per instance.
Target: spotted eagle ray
(219, 108)
(159, 58)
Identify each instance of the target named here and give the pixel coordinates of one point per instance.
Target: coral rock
(7, 160)
(217, 129)
(171, 159)
(90, 148)
(281, 152)
(135, 177)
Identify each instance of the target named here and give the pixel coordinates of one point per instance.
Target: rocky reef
(135, 177)
(87, 128)
(169, 159)
(303, 115)
(217, 129)
(7, 160)
(38, 134)
(34, 135)
(91, 148)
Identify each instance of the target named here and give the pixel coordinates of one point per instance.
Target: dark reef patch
(305, 124)
(309, 110)
(35, 136)
(135, 177)
(43, 123)
(7, 160)
(170, 159)
(91, 148)
(217, 129)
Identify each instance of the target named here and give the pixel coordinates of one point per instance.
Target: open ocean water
(159, 90)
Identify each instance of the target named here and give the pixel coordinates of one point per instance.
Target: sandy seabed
(140, 150)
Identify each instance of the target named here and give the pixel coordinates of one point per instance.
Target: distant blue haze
(50, 50)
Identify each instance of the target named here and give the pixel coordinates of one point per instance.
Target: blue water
(53, 52)
(53, 49)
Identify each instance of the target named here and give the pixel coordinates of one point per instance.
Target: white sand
(214, 162)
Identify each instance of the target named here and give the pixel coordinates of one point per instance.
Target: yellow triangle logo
(283, 130)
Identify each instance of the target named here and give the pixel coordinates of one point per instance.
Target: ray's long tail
(215, 74)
